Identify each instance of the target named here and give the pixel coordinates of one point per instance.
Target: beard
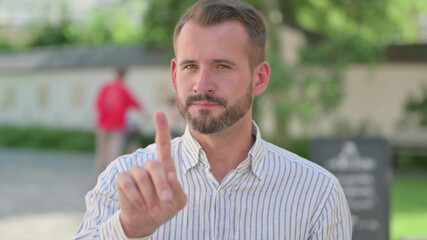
(205, 123)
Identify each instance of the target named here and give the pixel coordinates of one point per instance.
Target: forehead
(225, 36)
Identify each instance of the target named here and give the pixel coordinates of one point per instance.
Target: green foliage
(54, 138)
(8, 46)
(46, 138)
(299, 146)
(342, 50)
(160, 19)
(381, 21)
(301, 93)
(409, 162)
(278, 93)
(416, 108)
(115, 25)
(48, 34)
(60, 33)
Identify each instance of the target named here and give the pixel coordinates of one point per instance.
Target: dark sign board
(363, 167)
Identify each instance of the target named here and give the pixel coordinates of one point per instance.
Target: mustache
(207, 98)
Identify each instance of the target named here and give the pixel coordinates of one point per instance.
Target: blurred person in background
(220, 180)
(112, 104)
(133, 138)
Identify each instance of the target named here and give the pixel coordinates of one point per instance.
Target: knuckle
(141, 176)
(121, 176)
(150, 201)
(123, 182)
(135, 199)
(126, 184)
(134, 168)
(151, 165)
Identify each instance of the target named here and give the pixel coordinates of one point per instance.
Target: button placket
(222, 191)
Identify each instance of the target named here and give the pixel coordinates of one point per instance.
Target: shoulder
(297, 164)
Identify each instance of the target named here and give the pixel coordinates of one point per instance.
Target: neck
(227, 149)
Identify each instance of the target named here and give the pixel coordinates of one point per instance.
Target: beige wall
(64, 98)
(376, 95)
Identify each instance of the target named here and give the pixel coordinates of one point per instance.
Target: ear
(261, 78)
(173, 72)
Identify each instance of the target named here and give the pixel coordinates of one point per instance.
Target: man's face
(211, 75)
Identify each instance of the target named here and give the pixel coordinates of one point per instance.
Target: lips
(204, 105)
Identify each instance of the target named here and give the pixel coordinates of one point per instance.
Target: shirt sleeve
(334, 221)
(102, 218)
(133, 102)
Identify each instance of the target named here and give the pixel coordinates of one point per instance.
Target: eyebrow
(225, 61)
(185, 62)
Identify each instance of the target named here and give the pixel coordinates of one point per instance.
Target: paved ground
(42, 193)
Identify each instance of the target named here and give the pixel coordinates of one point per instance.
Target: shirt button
(221, 192)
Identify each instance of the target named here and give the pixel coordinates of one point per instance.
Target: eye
(190, 66)
(222, 66)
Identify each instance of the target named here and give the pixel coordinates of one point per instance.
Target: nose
(204, 83)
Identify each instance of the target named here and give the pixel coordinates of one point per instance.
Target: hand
(150, 195)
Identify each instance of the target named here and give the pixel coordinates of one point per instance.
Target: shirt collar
(191, 150)
(256, 154)
(193, 153)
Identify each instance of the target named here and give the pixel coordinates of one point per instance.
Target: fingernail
(166, 195)
(155, 211)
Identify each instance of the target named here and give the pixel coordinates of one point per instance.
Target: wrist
(134, 231)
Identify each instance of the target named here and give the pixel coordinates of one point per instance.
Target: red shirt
(112, 102)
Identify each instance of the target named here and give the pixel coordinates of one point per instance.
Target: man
(220, 180)
(112, 103)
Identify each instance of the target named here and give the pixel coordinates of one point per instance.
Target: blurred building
(56, 87)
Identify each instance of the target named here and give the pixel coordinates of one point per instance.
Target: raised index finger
(163, 143)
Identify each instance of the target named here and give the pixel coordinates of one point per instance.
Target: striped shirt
(273, 194)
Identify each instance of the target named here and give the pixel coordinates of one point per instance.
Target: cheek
(182, 83)
(235, 86)
(183, 89)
